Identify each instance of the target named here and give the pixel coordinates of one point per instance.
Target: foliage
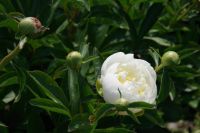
(36, 86)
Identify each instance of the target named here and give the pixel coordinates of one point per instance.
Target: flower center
(124, 74)
(135, 81)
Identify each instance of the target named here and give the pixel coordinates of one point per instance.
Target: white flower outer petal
(118, 57)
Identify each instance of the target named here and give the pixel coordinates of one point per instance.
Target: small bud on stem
(169, 58)
(74, 60)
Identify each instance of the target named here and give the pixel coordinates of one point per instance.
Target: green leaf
(194, 103)
(154, 116)
(3, 128)
(7, 79)
(155, 55)
(48, 86)
(85, 3)
(188, 52)
(84, 50)
(133, 116)
(100, 34)
(142, 1)
(164, 87)
(50, 105)
(21, 77)
(150, 19)
(2, 9)
(133, 31)
(80, 122)
(54, 6)
(172, 90)
(141, 105)
(105, 108)
(9, 97)
(109, 21)
(74, 92)
(9, 23)
(90, 58)
(160, 41)
(8, 5)
(35, 123)
(62, 26)
(113, 130)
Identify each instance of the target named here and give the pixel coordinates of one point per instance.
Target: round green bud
(29, 26)
(170, 58)
(74, 60)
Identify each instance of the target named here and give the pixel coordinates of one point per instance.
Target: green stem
(12, 54)
(158, 68)
(74, 93)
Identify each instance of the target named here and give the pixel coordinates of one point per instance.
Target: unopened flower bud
(74, 60)
(30, 26)
(170, 58)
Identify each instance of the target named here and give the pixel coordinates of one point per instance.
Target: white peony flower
(124, 77)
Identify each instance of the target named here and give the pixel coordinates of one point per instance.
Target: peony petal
(128, 57)
(111, 60)
(118, 57)
(148, 67)
(110, 88)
